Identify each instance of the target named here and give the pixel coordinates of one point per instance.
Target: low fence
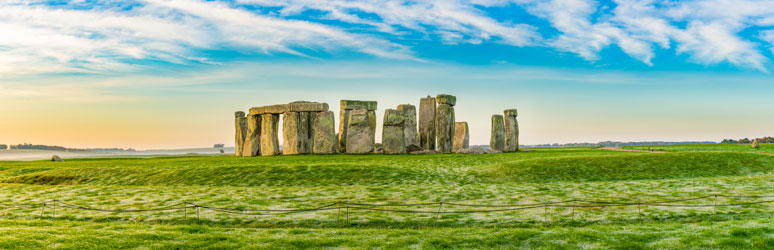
(436, 209)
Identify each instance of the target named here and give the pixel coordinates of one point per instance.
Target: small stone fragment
(56, 158)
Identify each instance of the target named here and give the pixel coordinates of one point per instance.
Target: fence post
(347, 216)
(438, 213)
(185, 212)
(572, 220)
(338, 215)
(197, 214)
(715, 208)
(639, 212)
(545, 214)
(42, 209)
(55, 204)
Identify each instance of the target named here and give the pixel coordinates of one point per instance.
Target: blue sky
(604, 70)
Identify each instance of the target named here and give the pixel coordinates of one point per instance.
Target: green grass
(765, 148)
(308, 181)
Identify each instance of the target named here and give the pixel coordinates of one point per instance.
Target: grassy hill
(309, 181)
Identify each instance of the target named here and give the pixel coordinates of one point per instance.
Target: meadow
(456, 181)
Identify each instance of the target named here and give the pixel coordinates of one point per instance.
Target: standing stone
(427, 123)
(269, 134)
(393, 141)
(444, 122)
(359, 136)
(511, 131)
(497, 141)
(294, 133)
(461, 136)
(346, 106)
(410, 127)
(241, 130)
(324, 133)
(252, 144)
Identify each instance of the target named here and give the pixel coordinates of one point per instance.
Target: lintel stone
(356, 104)
(511, 112)
(271, 109)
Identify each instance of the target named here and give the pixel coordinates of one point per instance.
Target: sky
(150, 74)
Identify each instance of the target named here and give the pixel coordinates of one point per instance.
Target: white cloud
(42, 39)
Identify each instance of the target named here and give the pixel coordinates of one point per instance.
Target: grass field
(309, 181)
(765, 148)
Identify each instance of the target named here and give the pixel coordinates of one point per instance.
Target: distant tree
(218, 146)
(755, 144)
(3, 146)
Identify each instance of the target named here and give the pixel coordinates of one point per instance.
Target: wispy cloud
(106, 35)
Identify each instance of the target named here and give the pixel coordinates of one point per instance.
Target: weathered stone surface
(269, 134)
(295, 127)
(240, 122)
(427, 123)
(511, 133)
(56, 158)
(461, 136)
(324, 133)
(393, 117)
(446, 99)
(511, 112)
(271, 109)
(392, 132)
(307, 107)
(343, 124)
(444, 127)
(476, 151)
(304, 133)
(410, 126)
(359, 136)
(252, 144)
(357, 104)
(497, 140)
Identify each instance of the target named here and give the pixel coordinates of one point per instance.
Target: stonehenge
(444, 122)
(393, 136)
(511, 131)
(461, 136)
(309, 128)
(497, 141)
(241, 129)
(427, 123)
(410, 127)
(346, 107)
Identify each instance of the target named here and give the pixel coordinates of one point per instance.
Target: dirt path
(630, 150)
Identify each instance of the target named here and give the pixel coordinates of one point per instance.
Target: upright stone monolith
(291, 140)
(444, 122)
(324, 133)
(393, 141)
(346, 106)
(427, 123)
(497, 140)
(511, 131)
(241, 130)
(359, 136)
(410, 127)
(252, 146)
(269, 134)
(461, 136)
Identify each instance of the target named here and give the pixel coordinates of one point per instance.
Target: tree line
(767, 139)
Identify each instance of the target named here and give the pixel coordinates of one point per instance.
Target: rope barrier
(401, 208)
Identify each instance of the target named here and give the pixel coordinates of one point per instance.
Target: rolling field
(458, 182)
